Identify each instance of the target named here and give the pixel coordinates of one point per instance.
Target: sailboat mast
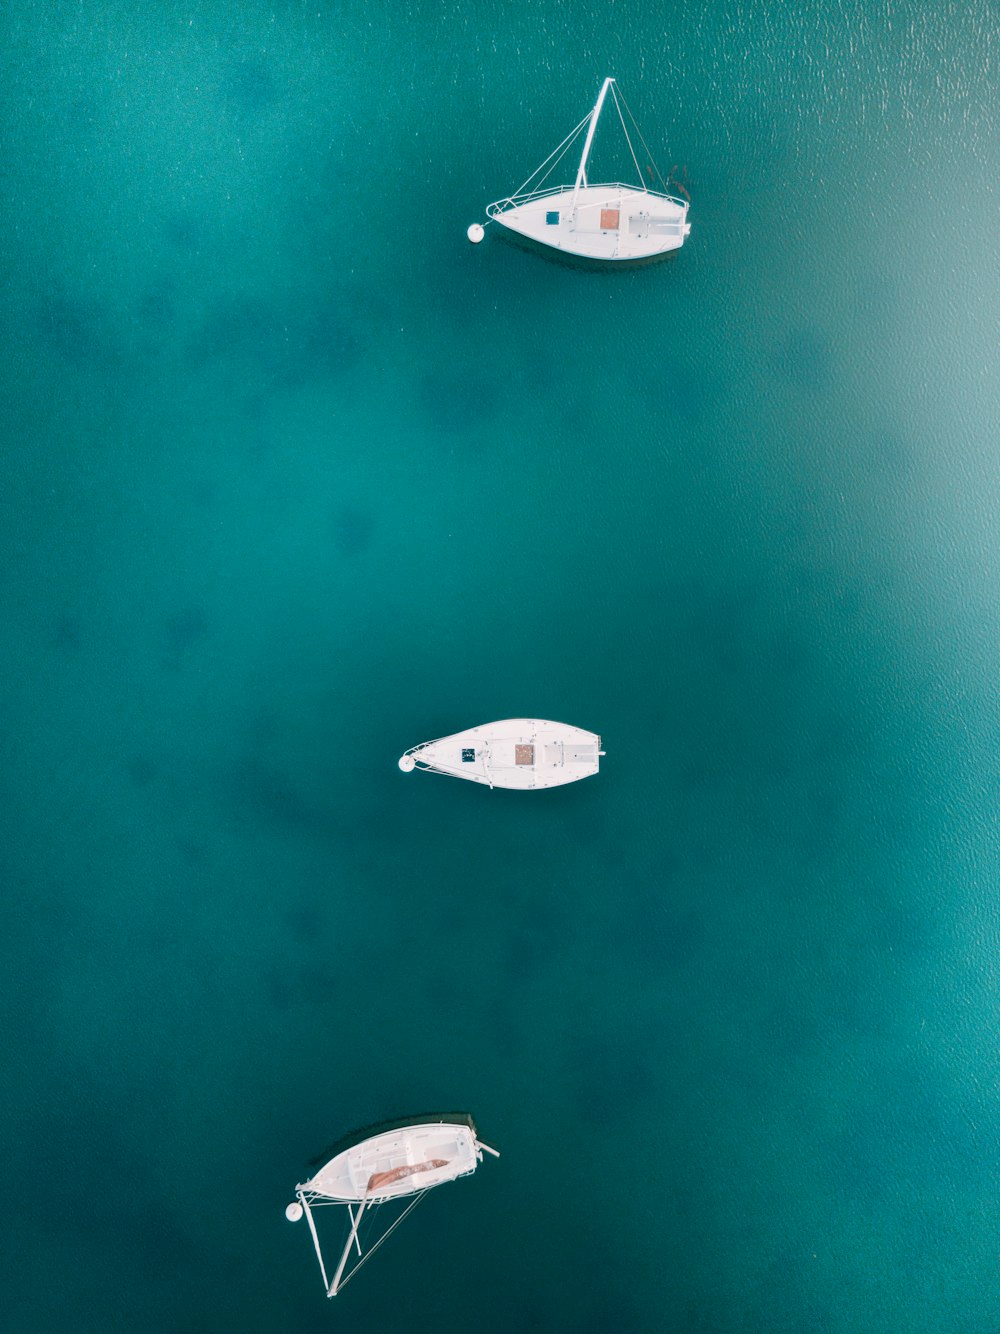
(581, 175)
(319, 1253)
(351, 1241)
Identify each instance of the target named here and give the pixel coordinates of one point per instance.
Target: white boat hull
(397, 1163)
(617, 223)
(524, 753)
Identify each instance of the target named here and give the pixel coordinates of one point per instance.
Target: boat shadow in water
(613, 222)
(362, 1133)
(562, 259)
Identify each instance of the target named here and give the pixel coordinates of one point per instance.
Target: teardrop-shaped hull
(617, 223)
(526, 753)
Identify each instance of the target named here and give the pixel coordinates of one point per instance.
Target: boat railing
(512, 201)
(356, 1137)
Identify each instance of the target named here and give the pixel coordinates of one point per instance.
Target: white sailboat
(399, 1163)
(522, 753)
(617, 223)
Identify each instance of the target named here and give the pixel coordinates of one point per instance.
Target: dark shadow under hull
(396, 1123)
(580, 262)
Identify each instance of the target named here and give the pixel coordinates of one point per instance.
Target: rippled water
(296, 478)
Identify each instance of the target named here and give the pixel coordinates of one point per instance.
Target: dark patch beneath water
(784, 1297)
(606, 1311)
(157, 308)
(584, 828)
(678, 392)
(285, 347)
(855, 1160)
(443, 992)
(662, 935)
(455, 404)
(922, 1130)
(142, 770)
(709, 1314)
(804, 358)
(191, 850)
(307, 921)
(352, 530)
(184, 630)
(609, 1078)
(185, 232)
(721, 625)
(98, 1188)
(889, 457)
(161, 1248)
(903, 930)
(532, 946)
(302, 984)
(266, 793)
(76, 329)
(330, 344)
(248, 88)
(68, 633)
(793, 1030)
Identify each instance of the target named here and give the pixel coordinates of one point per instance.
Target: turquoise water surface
(295, 478)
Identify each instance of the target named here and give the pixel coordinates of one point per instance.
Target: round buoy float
(406, 763)
(475, 233)
(294, 1212)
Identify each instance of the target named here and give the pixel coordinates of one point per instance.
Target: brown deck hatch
(379, 1179)
(524, 754)
(609, 219)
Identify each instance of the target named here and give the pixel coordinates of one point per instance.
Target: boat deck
(606, 222)
(521, 753)
(399, 1162)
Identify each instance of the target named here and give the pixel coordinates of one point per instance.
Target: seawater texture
(295, 478)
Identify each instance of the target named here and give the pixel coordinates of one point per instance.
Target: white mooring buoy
(407, 763)
(475, 233)
(293, 1212)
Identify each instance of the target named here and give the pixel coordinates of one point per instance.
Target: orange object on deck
(379, 1179)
